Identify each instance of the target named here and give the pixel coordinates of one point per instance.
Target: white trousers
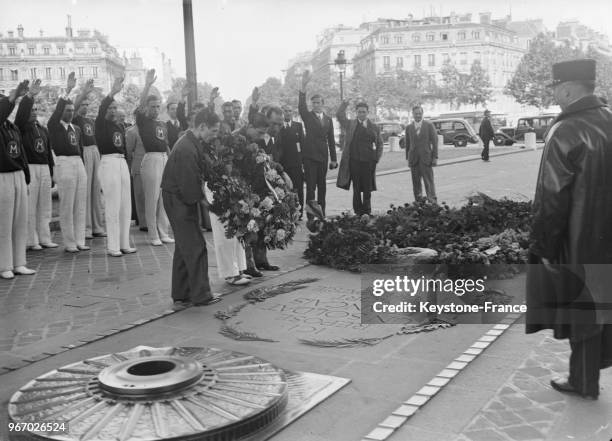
(71, 179)
(151, 171)
(13, 220)
(230, 254)
(114, 176)
(39, 205)
(93, 219)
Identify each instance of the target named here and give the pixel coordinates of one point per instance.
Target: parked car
(456, 131)
(390, 128)
(475, 117)
(538, 124)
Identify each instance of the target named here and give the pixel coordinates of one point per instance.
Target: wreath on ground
(252, 195)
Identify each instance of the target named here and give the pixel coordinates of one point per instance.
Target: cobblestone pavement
(527, 408)
(74, 297)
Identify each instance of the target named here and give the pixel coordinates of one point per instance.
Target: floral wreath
(251, 196)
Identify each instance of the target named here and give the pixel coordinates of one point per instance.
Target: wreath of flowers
(251, 197)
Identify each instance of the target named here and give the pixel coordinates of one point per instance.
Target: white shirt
(66, 125)
(266, 138)
(417, 126)
(364, 123)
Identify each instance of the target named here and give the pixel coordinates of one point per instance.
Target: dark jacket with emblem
(34, 136)
(88, 130)
(369, 147)
(12, 155)
(111, 135)
(319, 137)
(153, 133)
(571, 227)
(63, 142)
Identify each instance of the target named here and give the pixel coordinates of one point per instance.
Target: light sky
(240, 43)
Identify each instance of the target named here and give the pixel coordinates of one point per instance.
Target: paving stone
(534, 414)
(417, 400)
(495, 332)
(502, 418)
(473, 351)
(488, 338)
(379, 434)
(465, 358)
(448, 373)
(523, 433)
(393, 421)
(515, 401)
(458, 365)
(428, 391)
(405, 410)
(484, 435)
(480, 344)
(536, 371)
(479, 423)
(438, 381)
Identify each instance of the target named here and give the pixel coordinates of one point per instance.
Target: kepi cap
(573, 70)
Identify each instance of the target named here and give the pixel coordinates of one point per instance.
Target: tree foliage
(478, 85)
(529, 83)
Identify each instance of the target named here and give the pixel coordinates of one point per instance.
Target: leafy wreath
(251, 195)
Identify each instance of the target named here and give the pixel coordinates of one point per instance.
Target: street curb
(90, 338)
(408, 408)
(450, 162)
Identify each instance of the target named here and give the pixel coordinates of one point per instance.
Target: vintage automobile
(390, 128)
(456, 131)
(538, 124)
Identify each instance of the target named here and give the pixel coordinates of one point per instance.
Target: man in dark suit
(290, 152)
(486, 133)
(318, 141)
(422, 154)
(363, 149)
(177, 122)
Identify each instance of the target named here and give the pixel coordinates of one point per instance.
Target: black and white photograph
(325, 220)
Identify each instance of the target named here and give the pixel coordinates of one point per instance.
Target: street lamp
(340, 63)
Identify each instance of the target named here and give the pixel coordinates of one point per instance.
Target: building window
(430, 37)
(46, 50)
(385, 40)
(60, 50)
(398, 39)
(31, 50)
(417, 61)
(14, 75)
(416, 37)
(48, 73)
(461, 35)
(445, 37)
(81, 72)
(477, 56)
(431, 81)
(446, 58)
(431, 59)
(94, 71)
(94, 49)
(12, 51)
(62, 72)
(33, 73)
(386, 62)
(463, 58)
(1, 74)
(399, 62)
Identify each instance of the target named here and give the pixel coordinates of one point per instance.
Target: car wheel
(499, 140)
(460, 142)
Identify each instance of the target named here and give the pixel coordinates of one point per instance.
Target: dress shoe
(156, 243)
(83, 247)
(49, 245)
(145, 229)
(102, 234)
(246, 276)
(7, 275)
(268, 267)
(179, 305)
(23, 271)
(237, 280)
(88, 237)
(563, 385)
(214, 299)
(128, 250)
(252, 272)
(167, 240)
(72, 250)
(114, 253)
(35, 247)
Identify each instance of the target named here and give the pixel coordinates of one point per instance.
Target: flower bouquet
(252, 196)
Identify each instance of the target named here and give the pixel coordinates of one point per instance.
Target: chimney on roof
(69, 27)
(11, 34)
(20, 31)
